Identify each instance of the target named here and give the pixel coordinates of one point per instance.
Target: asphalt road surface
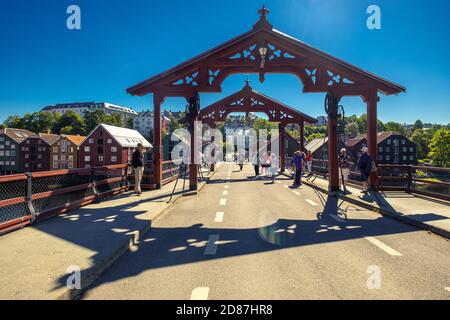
(247, 239)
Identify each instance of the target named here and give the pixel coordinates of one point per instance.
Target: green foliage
(395, 126)
(72, 123)
(315, 136)
(422, 140)
(352, 129)
(418, 125)
(261, 124)
(440, 148)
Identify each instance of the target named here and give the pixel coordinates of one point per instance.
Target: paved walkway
(249, 239)
(424, 212)
(34, 260)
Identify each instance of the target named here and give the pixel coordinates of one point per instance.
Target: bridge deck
(241, 238)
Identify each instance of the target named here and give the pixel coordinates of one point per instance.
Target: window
(39, 156)
(405, 149)
(39, 166)
(2, 139)
(63, 158)
(27, 165)
(70, 158)
(405, 158)
(91, 141)
(113, 149)
(411, 149)
(13, 163)
(100, 158)
(87, 158)
(109, 141)
(113, 158)
(7, 142)
(28, 141)
(100, 142)
(396, 142)
(2, 153)
(70, 150)
(55, 149)
(55, 166)
(411, 157)
(7, 163)
(70, 166)
(87, 149)
(380, 158)
(389, 141)
(388, 157)
(2, 146)
(388, 149)
(27, 156)
(403, 141)
(55, 157)
(13, 153)
(2, 163)
(380, 149)
(13, 146)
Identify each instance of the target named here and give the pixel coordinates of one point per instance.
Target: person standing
(297, 162)
(138, 164)
(309, 160)
(344, 166)
(365, 167)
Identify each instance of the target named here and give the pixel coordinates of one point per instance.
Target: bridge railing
(429, 181)
(30, 197)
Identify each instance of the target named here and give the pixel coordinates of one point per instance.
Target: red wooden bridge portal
(263, 50)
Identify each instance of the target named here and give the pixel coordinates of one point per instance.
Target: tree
(352, 129)
(72, 123)
(395, 126)
(261, 124)
(43, 121)
(440, 148)
(362, 123)
(315, 136)
(422, 142)
(15, 122)
(93, 118)
(418, 125)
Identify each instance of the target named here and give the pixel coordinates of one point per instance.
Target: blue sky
(124, 42)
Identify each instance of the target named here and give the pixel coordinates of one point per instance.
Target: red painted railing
(32, 197)
(429, 181)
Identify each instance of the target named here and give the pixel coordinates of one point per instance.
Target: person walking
(241, 160)
(365, 167)
(274, 165)
(344, 166)
(256, 161)
(138, 164)
(297, 162)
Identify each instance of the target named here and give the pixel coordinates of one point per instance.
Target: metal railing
(428, 181)
(31, 197)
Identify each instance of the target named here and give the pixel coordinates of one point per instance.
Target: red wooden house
(109, 145)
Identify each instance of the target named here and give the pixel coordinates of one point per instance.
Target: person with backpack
(364, 164)
(297, 162)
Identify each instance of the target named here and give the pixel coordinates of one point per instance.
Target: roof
(18, 135)
(381, 136)
(316, 144)
(126, 138)
(48, 138)
(77, 140)
(262, 30)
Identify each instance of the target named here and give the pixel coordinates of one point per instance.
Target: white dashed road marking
(311, 202)
(225, 192)
(200, 293)
(219, 217)
(296, 192)
(226, 186)
(383, 247)
(448, 289)
(285, 186)
(211, 247)
(223, 202)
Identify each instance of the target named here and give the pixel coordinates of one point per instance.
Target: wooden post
(193, 168)
(282, 147)
(333, 168)
(157, 161)
(302, 135)
(372, 122)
